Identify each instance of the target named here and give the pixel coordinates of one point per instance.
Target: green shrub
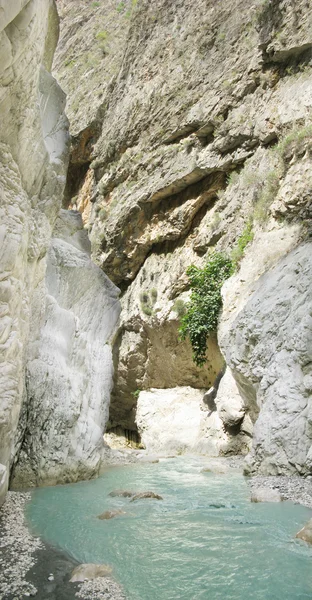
(202, 311)
(102, 35)
(147, 303)
(244, 239)
(179, 307)
(147, 309)
(267, 195)
(121, 6)
(154, 294)
(95, 4)
(296, 138)
(144, 297)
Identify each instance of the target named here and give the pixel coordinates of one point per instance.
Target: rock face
(200, 140)
(177, 420)
(269, 349)
(57, 315)
(33, 148)
(69, 370)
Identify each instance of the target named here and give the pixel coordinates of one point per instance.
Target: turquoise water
(204, 541)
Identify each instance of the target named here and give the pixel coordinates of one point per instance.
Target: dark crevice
(75, 178)
(180, 134)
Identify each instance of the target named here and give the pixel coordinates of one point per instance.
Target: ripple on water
(204, 541)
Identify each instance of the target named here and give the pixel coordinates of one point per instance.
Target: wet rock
(90, 571)
(110, 514)
(305, 533)
(265, 495)
(121, 493)
(218, 470)
(142, 495)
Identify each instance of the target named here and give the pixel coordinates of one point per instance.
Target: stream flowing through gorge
(205, 540)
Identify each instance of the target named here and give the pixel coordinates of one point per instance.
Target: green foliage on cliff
(202, 311)
(243, 240)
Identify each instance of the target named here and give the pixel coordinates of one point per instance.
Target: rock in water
(142, 495)
(263, 494)
(110, 514)
(90, 571)
(305, 533)
(121, 493)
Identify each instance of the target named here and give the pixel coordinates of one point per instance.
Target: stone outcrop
(33, 147)
(177, 421)
(268, 348)
(69, 369)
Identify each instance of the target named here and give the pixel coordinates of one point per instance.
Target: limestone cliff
(69, 368)
(55, 368)
(33, 140)
(192, 131)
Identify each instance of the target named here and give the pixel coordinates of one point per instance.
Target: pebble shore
(31, 568)
(295, 489)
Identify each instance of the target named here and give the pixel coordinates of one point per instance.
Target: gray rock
(177, 421)
(70, 376)
(263, 494)
(90, 571)
(305, 533)
(121, 494)
(110, 514)
(143, 495)
(269, 350)
(33, 161)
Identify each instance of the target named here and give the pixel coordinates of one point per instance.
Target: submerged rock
(142, 495)
(90, 571)
(305, 533)
(121, 493)
(263, 494)
(110, 514)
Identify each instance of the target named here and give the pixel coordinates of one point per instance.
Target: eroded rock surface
(268, 348)
(70, 368)
(33, 148)
(177, 420)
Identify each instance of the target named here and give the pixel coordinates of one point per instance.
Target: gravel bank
(30, 568)
(296, 489)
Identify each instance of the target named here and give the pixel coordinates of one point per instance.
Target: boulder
(121, 493)
(110, 514)
(142, 495)
(263, 494)
(305, 533)
(89, 571)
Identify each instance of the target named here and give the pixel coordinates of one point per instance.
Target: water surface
(204, 541)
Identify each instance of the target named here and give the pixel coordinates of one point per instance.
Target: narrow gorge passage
(155, 299)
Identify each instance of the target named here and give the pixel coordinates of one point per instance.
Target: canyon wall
(55, 365)
(33, 140)
(191, 132)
